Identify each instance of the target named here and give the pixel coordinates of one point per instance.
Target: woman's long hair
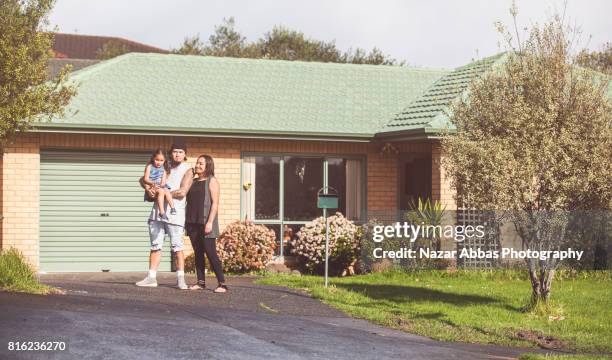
(210, 165)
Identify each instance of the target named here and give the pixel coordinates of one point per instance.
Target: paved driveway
(104, 316)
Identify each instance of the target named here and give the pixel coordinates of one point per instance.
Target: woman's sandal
(222, 288)
(197, 287)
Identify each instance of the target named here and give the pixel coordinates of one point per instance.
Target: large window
(302, 179)
(281, 190)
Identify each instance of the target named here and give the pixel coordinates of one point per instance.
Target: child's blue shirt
(156, 174)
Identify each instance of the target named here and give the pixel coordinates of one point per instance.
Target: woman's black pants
(202, 245)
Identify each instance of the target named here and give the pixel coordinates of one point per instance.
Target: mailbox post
(325, 201)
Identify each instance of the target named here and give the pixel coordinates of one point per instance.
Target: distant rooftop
(54, 66)
(76, 46)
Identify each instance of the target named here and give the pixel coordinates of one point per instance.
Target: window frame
(281, 169)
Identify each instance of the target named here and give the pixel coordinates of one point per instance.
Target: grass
(17, 275)
(474, 306)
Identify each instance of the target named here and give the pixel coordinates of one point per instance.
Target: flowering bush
(244, 246)
(309, 245)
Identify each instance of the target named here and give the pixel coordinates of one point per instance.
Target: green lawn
(473, 306)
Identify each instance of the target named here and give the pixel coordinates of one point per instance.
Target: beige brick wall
(443, 192)
(20, 196)
(441, 184)
(20, 175)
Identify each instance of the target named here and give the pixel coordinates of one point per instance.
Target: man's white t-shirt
(174, 181)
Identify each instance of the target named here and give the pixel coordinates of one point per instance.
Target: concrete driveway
(104, 316)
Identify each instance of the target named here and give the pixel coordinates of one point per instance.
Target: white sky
(435, 33)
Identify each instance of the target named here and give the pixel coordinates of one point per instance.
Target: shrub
(190, 263)
(368, 263)
(309, 245)
(368, 245)
(17, 275)
(244, 246)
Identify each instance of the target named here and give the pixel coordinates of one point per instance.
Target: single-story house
(69, 195)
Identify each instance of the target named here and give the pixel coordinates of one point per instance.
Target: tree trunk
(536, 289)
(541, 284)
(547, 285)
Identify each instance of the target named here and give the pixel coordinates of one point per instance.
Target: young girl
(156, 174)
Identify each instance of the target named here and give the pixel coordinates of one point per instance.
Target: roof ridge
(294, 62)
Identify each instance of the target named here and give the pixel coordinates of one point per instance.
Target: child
(156, 174)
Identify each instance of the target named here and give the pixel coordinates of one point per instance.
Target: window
(303, 177)
(280, 191)
(265, 203)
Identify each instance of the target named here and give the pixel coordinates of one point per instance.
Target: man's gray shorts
(159, 229)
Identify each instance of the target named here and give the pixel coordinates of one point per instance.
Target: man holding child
(173, 225)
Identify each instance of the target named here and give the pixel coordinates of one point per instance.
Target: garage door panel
(63, 208)
(99, 241)
(76, 188)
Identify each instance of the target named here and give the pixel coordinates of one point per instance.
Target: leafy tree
(597, 60)
(191, 46)
(112, 49)
(534, 143)
(374, 57)
(25, 94)
(285, 44)
(226, 41)
(280, 43)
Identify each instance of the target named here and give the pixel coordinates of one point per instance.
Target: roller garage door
(92, 214)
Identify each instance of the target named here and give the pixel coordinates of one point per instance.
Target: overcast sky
(437, 33)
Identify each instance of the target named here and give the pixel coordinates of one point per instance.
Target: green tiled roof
(158, 92)
(428, 114)
(429, 111)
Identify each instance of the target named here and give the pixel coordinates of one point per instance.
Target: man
(179, 179)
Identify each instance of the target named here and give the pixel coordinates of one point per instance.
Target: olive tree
(533, 141)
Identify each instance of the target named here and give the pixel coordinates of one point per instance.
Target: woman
(201, 221)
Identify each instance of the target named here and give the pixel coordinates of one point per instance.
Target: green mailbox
(327, 201)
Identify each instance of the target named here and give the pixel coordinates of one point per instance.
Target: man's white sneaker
(147, 282)
(180, 283)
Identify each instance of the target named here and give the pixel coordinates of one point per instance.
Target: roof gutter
(237, 134)
(410, 135)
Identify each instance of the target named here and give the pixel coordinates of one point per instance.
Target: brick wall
(442, 189)
(20, 196)
(20, 176)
